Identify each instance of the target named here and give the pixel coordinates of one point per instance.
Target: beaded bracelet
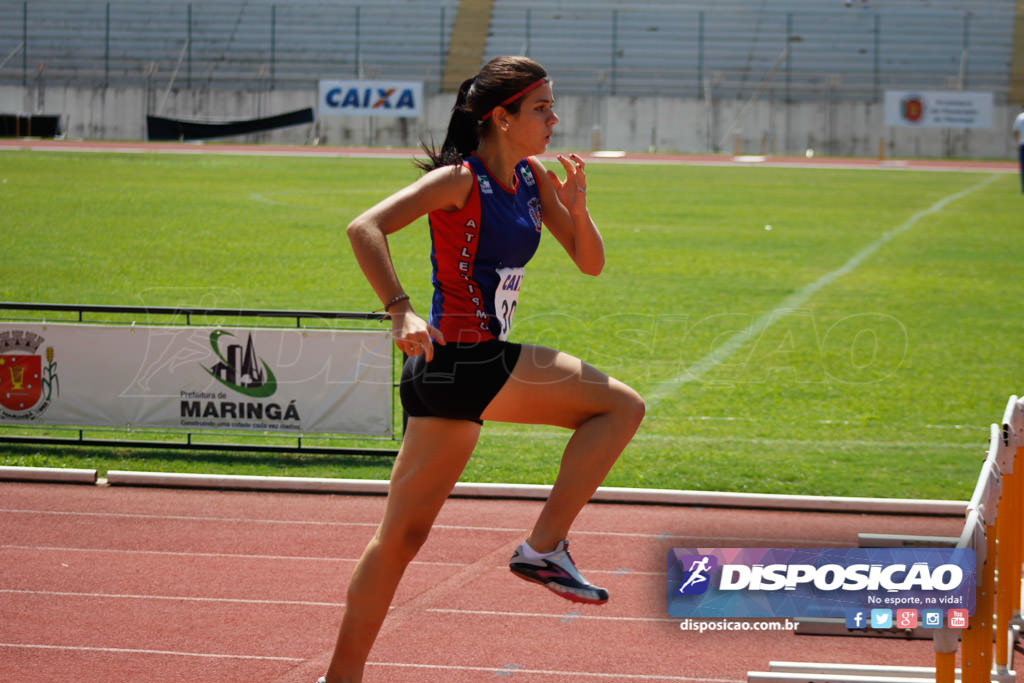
(395, 300)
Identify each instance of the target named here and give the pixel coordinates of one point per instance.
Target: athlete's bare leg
(433, 454)
(555, 388)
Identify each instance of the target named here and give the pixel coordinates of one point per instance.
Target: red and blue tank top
(478, 254)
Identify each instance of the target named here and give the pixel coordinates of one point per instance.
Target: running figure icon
(698, 574)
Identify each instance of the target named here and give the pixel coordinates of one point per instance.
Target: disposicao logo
(818, 582)
(696, 579)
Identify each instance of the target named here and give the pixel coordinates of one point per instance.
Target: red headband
(533, 86)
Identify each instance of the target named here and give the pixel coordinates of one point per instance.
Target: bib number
(506, 297)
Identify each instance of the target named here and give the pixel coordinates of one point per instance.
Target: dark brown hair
(498, 80)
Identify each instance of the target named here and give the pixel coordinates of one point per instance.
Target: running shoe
(558, 573)
(322, 679)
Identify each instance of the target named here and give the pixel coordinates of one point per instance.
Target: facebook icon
(856, 619)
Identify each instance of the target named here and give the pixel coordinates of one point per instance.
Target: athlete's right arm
(445, 188)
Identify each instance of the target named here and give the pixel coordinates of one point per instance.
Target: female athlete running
(487, 199)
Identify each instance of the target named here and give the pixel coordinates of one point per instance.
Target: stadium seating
(684, 48)
(735, 46)
(230, 45)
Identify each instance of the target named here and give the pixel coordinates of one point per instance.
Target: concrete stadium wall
(620, 123)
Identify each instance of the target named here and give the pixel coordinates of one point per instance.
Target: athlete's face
(532, 125)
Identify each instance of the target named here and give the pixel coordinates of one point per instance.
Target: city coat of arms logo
(28, 381)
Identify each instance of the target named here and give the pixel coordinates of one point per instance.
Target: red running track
(144, 584)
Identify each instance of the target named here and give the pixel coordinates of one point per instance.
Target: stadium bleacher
(227, 45)
(678, 48)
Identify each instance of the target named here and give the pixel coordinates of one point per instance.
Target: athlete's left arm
(564, 211)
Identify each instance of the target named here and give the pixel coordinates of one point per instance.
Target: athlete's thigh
(433, 454)
(555, 388)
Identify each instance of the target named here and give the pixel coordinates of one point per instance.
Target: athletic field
(801, 330)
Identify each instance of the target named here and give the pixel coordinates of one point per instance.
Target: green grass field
(860, 347)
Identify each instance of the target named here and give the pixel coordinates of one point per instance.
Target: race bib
(506, 297)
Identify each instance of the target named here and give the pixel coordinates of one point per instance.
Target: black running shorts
(459, 382)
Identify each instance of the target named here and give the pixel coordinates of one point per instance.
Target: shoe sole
(572, 597)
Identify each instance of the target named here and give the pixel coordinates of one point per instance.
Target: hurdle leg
(1007, 524)
(945, 667)
(988, 605)
(1017, 539)
(976, 652)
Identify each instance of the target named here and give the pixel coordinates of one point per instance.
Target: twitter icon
(881, 618)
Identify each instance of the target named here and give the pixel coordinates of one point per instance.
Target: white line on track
(188, 518)
(242, 520)
(552, 615)
(135, 651)
(172, 598)
(705, 365)
(450, 527)
(560, 675)
(193, 555)
(288, 558)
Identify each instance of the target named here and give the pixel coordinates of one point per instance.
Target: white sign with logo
(938, 109)
(371, 98)
(299, 381)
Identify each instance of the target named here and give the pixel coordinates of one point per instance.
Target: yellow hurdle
(976, 649)
(1010, 533)
(945, 667)
(987, 646)
(945, 639)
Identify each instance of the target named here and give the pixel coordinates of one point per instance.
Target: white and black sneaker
(558, 573)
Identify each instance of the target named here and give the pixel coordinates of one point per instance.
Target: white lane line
(348, 560)
(575, 532)
(190, 555)
(561, 615)
(560, 675)
(136, 651)
(186, 518)
(705, 365)
(627, 535)
(172, 598)
(243, 520)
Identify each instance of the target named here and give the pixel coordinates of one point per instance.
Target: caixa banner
(300, 381)
(819, 582)
(371, 98)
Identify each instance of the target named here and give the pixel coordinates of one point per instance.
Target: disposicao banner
(870, 587)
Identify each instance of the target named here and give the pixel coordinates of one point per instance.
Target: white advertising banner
(297, 381)
(371, 98)
(938, 109)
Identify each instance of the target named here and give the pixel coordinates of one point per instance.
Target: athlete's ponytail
(502, 82)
